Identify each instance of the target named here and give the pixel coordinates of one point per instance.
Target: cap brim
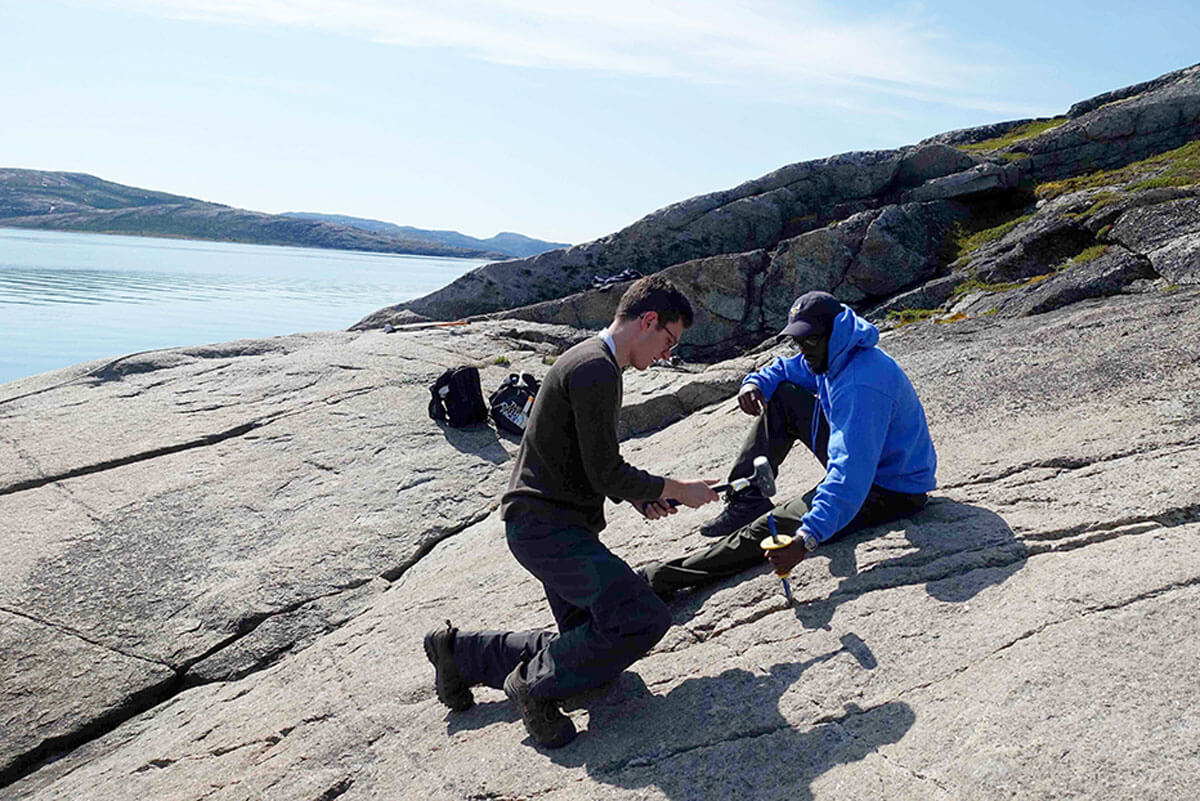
(801, 328)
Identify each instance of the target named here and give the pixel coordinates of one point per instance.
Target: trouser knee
(654, 620)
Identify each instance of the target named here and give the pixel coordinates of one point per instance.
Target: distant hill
(518, 246)
(72, 201)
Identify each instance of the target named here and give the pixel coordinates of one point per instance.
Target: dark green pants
(792, 415)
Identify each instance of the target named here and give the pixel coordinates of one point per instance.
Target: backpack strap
(437, 407)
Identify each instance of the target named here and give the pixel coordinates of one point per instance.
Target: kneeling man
(608, 617)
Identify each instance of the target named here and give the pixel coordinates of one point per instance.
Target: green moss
(975, 285)
(907, 316)
(954, 318)
(1103, 232)
(1178, 167)
(503, 361)
(1019, 134)
(549, 359)
(1090, 254)
(1100, 201)
(964, 240)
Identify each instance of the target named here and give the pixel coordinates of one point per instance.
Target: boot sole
(557, 742)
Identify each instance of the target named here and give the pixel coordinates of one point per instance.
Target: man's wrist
(810, 541)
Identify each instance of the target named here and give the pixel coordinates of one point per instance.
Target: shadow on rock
(960, 550)
(480, 440)
(723, 736)
(481, 715)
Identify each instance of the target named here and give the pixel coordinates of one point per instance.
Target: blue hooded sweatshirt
(877, 429)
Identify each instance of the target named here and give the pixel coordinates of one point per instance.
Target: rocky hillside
(905, 230)
(220, 560)
(69, 201)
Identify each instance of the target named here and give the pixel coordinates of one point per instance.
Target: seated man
(855, 409)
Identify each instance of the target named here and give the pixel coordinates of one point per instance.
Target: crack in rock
(81, 636)
(1074, 462)
(917, 774)
(1091, 610)
(618, 766)
(399, 570)
(335, 790)
(961, 563)
(167, 450)
(150, 697)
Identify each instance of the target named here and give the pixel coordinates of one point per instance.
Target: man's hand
(751, 399)
(693, 493)
(784, 559)
(653, 510)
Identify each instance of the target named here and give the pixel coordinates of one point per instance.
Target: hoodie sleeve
(857, 430)
(780, 369)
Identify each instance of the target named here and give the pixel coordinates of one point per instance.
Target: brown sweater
(569, 459)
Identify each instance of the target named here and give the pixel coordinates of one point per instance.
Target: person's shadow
(480, 440)
(960, 550)
(724, 736)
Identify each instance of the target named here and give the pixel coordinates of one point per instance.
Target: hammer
(763, 479)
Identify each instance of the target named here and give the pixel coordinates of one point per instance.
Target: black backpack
(457, 397)
(513, 401)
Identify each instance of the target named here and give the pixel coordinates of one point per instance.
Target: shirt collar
(606, 337)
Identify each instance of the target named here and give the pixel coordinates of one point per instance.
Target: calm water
(69, 298)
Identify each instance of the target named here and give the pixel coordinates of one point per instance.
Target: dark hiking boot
(452, 690)
(742, 510)
(546, 724)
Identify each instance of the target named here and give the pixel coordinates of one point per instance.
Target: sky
(562, 120)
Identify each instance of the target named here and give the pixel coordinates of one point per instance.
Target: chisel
(774, 543)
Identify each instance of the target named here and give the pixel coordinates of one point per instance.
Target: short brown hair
(655, 294)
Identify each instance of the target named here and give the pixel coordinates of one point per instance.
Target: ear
(649, 320)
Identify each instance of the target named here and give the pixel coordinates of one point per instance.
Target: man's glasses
(804, 343)
(671, 338)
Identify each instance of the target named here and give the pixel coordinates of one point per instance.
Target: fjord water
(67, 298)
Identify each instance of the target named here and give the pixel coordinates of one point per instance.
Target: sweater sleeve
(595, 392)
(857, 430)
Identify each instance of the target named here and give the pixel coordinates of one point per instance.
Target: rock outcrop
(977, 168)
(756, 214)
(220, 560)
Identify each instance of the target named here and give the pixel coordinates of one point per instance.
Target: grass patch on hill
(1088, 254)
(1178, 167)
(1099, 202)
(969, 238)
(975, 285)
(908, 316)
(1018, 134)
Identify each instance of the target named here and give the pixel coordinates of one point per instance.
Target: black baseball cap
(812, 314)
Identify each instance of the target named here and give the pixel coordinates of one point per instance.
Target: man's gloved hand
(751, 399)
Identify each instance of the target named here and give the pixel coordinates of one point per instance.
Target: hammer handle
(737, 485)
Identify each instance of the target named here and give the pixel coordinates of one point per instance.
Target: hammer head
(763, 476)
